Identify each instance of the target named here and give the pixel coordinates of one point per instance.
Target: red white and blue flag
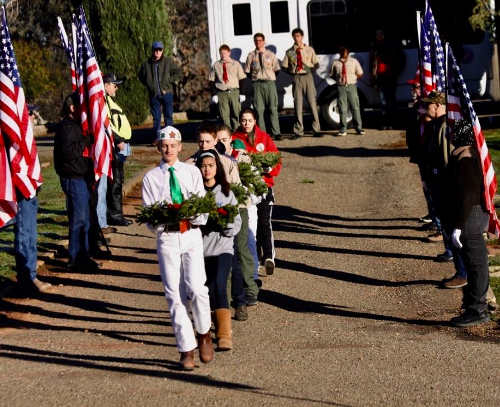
(94, 115)
(432, 54)
(460, 106)
(25, 172)
(68, 49)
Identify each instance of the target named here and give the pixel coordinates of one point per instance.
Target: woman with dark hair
(466, 220)
(258, 141)
(218, 246)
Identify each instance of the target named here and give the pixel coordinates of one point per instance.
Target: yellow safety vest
(119, 122)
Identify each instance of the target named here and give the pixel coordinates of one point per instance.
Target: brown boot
(206, 348)
(187, 360)
(223, 332)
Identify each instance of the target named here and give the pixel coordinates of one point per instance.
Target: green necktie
(175, 188)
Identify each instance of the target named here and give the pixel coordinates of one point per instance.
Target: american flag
(8, 206)
(94, 114)
(68, 48)
(15, 122)
(460, 106)
(432, 54)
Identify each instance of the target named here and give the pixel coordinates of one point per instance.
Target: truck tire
(330, 113)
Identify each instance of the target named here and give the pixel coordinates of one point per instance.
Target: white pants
(252, 219)
(182, 269)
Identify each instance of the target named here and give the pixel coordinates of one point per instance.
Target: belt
(182, 226)
(263, 80)
(227, 90)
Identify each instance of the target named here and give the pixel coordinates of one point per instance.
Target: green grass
(52, 219)
(493, 142)
(307, 181)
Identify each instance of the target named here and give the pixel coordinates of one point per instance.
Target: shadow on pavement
(296, 228)
(313, 248)
(349, 277)
(142, 367)
(294, 304)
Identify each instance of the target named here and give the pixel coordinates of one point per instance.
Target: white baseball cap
(168, 133)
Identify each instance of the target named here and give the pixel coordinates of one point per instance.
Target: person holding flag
(25, 172)
(467, 218)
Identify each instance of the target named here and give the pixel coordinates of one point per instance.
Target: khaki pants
(229, 107)
(265, 96)
(304, 84)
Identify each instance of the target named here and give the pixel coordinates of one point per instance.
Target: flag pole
(419, 52)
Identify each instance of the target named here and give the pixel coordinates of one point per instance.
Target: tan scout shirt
(353, 71)
(267, 71)
(309, 59)
(234, 74)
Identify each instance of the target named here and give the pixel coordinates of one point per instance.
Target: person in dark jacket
(467, 219)
(73, 166)
(158, 75)
(387, 61)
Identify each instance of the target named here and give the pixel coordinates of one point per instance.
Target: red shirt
(263, 144)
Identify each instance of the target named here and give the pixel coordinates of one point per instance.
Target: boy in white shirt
(180, 253)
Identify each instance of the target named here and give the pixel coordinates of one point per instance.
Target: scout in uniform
(173, 181)
(226, 75)
(346, 71)
(263, 64)
(299, 61)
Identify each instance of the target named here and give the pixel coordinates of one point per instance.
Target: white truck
(330, 23)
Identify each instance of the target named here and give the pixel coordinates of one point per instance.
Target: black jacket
(69, 144)
(464, 188)
(168, 72)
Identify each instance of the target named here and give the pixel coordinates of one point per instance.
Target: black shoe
(120, 222)
(100, 254)
(470, 318)
(443, 258)
(317, 134)
(295, 137)
(277, 137)
(428, 227)
(258, 281)
(360, 132)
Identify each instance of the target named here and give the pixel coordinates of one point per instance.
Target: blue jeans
(25, 237)
(157, 103)
(218, 269)
(78, 207)
(102, 207)
(252, 246)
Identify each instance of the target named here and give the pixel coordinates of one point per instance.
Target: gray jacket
(215, 243)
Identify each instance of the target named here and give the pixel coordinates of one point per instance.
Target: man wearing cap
(122, 133)
(263, 65)
(226, 75)
(299, 61)
(158, 74)
(180, 251)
